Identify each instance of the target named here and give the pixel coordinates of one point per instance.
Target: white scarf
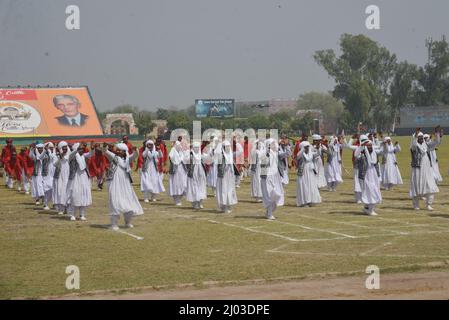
(371, 157)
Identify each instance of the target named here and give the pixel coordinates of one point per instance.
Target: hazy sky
(159, 53)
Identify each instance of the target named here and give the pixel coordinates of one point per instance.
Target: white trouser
(429, 200)
(72, 209)
(177, 199)
(128, 217)
(47, 197)
(10, 182)
(271, 208)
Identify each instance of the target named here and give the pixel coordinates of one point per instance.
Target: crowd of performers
(63, 174)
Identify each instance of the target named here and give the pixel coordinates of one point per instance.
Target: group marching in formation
(63, 173)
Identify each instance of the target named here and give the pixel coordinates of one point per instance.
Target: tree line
(371, 86)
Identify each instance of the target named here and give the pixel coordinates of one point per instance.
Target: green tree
(144, 122)
(433, 80)
(331, 107)
(363, 73)
(302, 124)
(179, 120)
(401, 89)
(162, 114)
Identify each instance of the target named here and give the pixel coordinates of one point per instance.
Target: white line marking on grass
(354, 224)
(255, 231)
(357, 255)
(316, 229)
(376, 248)
(131, 235)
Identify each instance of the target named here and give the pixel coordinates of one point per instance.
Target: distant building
(120, 124)
(277, 105)
(159, 129)
(269, 106)
(426, 118)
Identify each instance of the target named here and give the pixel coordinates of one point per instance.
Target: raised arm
(358, 152)
(110, 155)
(435, 143)
(134, 155)
(397, 148)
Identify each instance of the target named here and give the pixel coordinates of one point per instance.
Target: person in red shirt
(161, 161)
(140, 158)
(97, 165)
(27, 167)
(246, 151)
(7, 152)
(14, 171)
(304, 137)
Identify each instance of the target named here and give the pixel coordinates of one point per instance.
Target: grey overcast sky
(161, 53)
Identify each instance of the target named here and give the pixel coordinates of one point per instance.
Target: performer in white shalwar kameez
(41, 163)
(422, 180)
(177, 182)
(121, 195)
(196, 177)
(285, 151)
(226, 171)
(257, 151)
(353, 144)
(150, 182)
(433, 158)
(212, 174)
(271, 180)
(48, 179)
(61, 177)
(369, 173)
(238, 159)
(391, 175)
(320, 149)
(307, 192)
(333, 167)
(79, 187)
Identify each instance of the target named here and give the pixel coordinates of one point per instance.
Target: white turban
(50, 144)
(386, 139)
(363, 139)
(62, 144)
(40, 145)
(122, 146)
(420, 134)
(316, 137)
(149, 142)
(426, 136)
(304, 144)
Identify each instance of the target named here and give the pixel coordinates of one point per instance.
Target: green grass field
(182, 246)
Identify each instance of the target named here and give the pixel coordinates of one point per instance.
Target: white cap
(316, 137)
(386, 139)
